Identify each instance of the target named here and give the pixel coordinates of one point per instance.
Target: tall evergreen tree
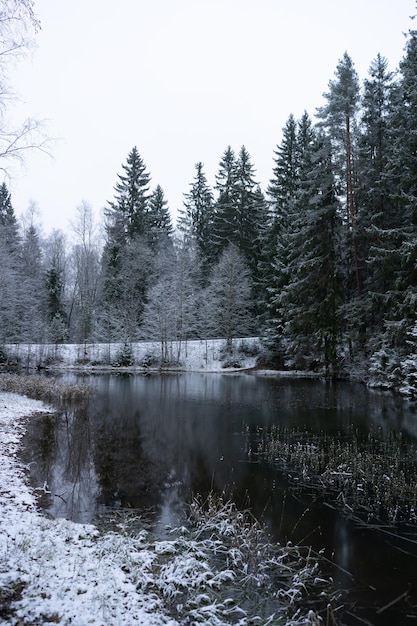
(340, 118)
(126, 214)
(250, 209)
(401, 219)
(283, 192)
(224, 220)
(10, 275)
(196, 218)
(126, 229)
(158, 219)
(374, 219)
(310, 301)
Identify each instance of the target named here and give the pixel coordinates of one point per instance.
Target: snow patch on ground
(59, 570)
(196, 355)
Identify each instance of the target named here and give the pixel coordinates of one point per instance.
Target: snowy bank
(196, 355)
(56, 571)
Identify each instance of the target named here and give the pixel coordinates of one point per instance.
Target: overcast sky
(181, 80)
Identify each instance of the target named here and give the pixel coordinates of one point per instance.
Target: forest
(321, 265)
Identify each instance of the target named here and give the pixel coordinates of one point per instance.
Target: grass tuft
(46, 389)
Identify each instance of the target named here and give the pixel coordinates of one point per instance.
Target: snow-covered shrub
(124, 357)
(249, 347)
(231, 361)
(384, 369)
(149, 360)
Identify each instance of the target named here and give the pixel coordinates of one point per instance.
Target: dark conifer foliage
(127, 211)
(323, 266)
(195, 220)
(224, 220)
(158, 219)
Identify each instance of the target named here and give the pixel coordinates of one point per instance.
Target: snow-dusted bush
(124, 356)
(384, 369)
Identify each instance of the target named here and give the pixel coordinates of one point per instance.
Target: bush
(124, 357)
(3, 355)
(149, 360)
(249, 348)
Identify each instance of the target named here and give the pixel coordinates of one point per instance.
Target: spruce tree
(196, 218)
(375, 219)
(10, 275)
(309, 302)
(401, 219)
(340, 119)
(224, 220)
(282, 191)
(126, 254)
(158, 219)
(126, 214)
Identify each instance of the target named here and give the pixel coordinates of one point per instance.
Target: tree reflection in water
(149, 443)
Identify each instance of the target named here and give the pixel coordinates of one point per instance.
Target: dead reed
(42, 388)
(373, 477)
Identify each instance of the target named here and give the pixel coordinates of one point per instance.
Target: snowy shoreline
(63, 572)
(56, 569)
(205, 356)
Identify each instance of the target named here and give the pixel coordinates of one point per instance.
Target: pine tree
(374, 219)
(283, 192)
(10, 275)
(126, 215)
(250, 208)
(224, 220)
(158, 220)
(124, 282)
(310, 301)
(196, 218)
(339, 118)
(400, 260)
(240, 209)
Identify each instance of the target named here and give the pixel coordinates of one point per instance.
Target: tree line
(321, 264)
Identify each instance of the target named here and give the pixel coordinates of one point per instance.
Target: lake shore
(63, 572)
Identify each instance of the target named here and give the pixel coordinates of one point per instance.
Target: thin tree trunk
(351, 203)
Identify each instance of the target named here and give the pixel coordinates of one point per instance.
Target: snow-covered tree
(339, 116)
(158, 219)
(195, 220)
(228, 296)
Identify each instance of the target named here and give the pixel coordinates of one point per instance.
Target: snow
(57, 571)
(195, 355)
(69, 571)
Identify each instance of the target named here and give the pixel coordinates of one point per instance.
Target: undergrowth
(46, 389)
(221, 568)
(373, 477)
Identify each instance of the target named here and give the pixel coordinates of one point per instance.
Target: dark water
(150, 443)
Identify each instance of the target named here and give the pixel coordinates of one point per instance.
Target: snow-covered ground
(195, 355)
(57, 571)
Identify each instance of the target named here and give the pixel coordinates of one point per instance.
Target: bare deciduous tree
(18, 26)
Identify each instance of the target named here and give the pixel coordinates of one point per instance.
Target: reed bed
(372, 476)
(222, 568)
(47, 389)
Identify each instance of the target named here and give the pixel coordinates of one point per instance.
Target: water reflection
(149, 443)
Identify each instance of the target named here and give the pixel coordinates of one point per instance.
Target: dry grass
(42, 388)
(373, 477)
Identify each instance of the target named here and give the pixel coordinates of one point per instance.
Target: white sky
(181, 80)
